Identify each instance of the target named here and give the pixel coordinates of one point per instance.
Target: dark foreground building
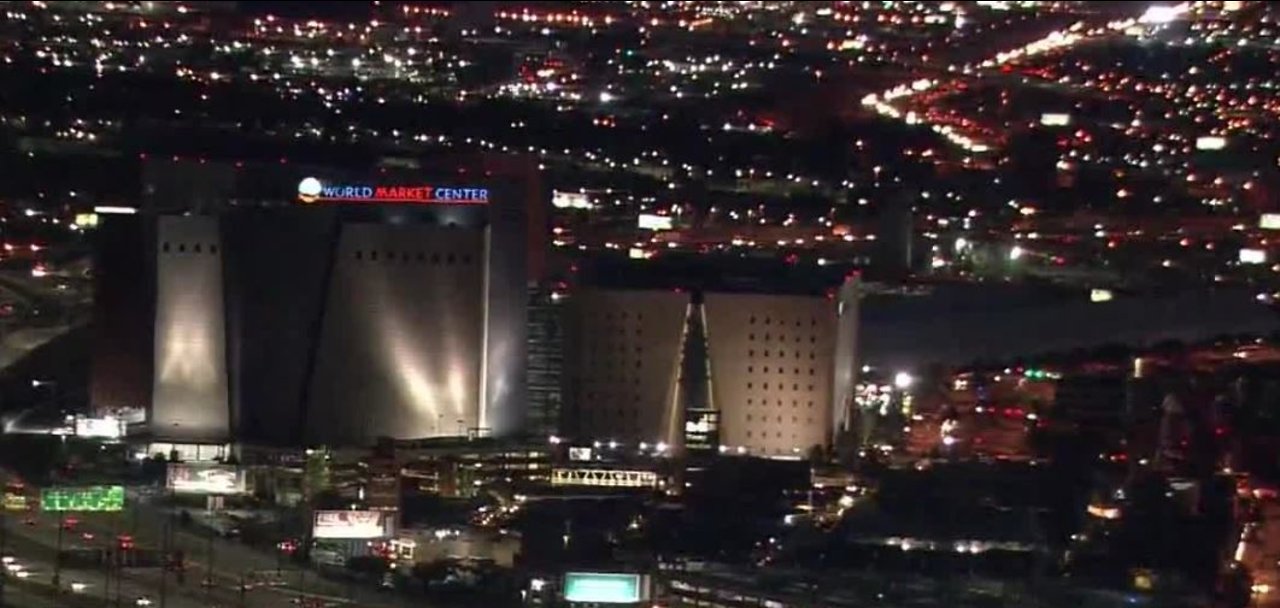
(358, 306)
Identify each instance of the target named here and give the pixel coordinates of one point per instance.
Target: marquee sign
(604, 478)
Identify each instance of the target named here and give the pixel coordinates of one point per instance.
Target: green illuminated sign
(597, 588)
(90, 498)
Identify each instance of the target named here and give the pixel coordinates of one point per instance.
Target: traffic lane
(231, 559)
(1261, 552)
(36, 560)
(232, 562)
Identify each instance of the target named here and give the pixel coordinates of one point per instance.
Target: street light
(903, 380)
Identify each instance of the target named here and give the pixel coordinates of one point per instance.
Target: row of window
(608, 329)
(813, 321)
(611, 359)
(780, 386)
(794, 419)
(767, 337)
(618, 413)
(421, 257)
(168, 247)
(594, 397)
(623, 315)
(751, 369)
(765, 435)
(765, 402)
(780, 353)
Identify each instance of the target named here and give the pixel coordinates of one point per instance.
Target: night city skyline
(652, 304)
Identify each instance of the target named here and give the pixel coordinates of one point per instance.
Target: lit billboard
(649, 221)
(205, 479)
(15, 502)
(106, 427)
(89, 498)
(603, 588)
(1211, 142)
(352, 524)
(1269, 221)
(1055, 119)
(570, 200)
(1253, 256)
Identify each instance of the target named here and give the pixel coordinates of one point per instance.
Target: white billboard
(649, 221)
(1269, 221)
(107, 427)
(205, 479)
(351, 524)
(1253, 256)
(1211, 142)
(1055, 119)
(570, 200)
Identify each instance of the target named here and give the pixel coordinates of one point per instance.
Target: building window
(182, 248)
(751, 369)
(197, 248)
(213, 249)
(165, 247)
(751, 337)
(359, 254)
(435, 258)
(373, 256)
(752, 320)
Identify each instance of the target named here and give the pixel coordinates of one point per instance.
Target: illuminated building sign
(702, 429)
(312, 190)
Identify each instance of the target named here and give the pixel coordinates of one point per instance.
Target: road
(1260, 553)
(33, 539)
